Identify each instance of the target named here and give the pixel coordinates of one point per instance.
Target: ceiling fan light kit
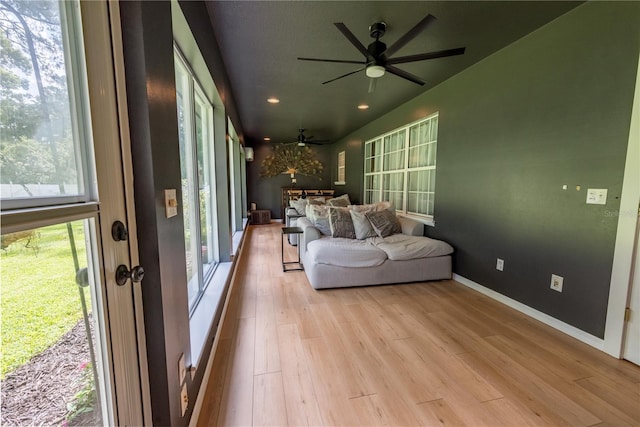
(378, 57)
(375, 71)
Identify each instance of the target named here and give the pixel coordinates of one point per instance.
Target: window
(195, 127)
(400, 167)
(43, 123)
(48, 190)
(341, 168)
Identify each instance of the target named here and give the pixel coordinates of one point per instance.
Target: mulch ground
(37, 393)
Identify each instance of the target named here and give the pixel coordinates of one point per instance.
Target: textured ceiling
(260, 41)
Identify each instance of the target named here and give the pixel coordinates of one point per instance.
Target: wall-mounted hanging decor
(291, 159)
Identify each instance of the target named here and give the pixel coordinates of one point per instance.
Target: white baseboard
(572, 331)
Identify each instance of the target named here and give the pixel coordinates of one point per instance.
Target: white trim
(572, 331)
(202, 391)
(128, 179)
(627, 219)
(383, 173)
(105, 119)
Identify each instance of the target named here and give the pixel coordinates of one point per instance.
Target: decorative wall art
(291, 159)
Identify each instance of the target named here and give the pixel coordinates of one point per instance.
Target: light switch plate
(170, 203)
(597, 196)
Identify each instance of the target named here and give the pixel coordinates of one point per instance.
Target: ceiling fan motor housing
(377, 49)
(377, 29)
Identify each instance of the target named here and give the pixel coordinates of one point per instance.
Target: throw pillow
(384, 222)
(318, 215)
(315, 201)
(340, 223)
(342, 201)
(380, 206)
(299, 205)
(361, 225)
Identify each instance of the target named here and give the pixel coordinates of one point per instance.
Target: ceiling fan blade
(424, 56)
(341, 61)
(400, 73)
(344, 75)
(410, 35)
(354, 41)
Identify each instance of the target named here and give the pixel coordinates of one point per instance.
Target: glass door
(71, 351)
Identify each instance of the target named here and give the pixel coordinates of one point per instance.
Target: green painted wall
(553, 108)
(266, 193)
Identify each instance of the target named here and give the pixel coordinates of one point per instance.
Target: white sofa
(401, 258)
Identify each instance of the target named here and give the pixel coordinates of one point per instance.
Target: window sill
(201, 321)
(426, 221)
(340, 183)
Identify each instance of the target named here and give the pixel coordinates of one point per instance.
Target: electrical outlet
(184, 399)
(556, 282)
(182, 370)
(500, 264)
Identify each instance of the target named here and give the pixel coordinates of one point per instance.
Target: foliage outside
(36, 134)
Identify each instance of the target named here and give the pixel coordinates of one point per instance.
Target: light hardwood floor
(433, 353)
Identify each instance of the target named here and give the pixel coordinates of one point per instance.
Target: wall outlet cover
(182, 371)
(556, 282)
(184, 399)
(500, 264)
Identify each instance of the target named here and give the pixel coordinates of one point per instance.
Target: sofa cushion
(384, 222)
(400, 247)
(340, 223)
(344, 252)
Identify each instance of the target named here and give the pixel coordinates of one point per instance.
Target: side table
(286, 232)
(293, 238)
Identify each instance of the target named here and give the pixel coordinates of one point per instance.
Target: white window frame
(377, 170)
(196, 91)
(342, 169)
(77, 87)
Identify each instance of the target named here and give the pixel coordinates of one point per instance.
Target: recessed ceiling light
(273, 100)
(363, 107)
(266, 138)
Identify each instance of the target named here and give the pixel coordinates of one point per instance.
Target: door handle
(123, 274)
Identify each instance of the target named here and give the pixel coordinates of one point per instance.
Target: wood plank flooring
(430, 354)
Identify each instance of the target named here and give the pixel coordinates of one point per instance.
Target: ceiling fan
(378, 56)
(302, 140)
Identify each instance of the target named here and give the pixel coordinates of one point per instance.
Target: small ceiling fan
(302, 140)
(378, 56)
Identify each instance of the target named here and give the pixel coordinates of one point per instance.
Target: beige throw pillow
(361, 225)
(342, 201)
(318, 215)
(340, 223)
(384, 222)
(299, 205)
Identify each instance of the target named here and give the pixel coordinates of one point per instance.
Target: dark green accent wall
(554, 108)
(148, 48)
(151, 100)
(266, 193)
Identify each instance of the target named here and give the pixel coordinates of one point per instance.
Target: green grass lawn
(39, 299)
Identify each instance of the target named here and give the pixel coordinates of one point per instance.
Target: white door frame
(627, 219)
(105, 68)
